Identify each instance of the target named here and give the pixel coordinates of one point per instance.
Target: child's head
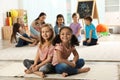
(60, 19)
(41, 17)
(16, 28)
(75, 17)
(66, 36)
(47, 33)
(88, 20)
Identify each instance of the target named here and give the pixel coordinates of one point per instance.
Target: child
(91, 37)
(36, 25)
(41, 64)
(21, 22)
(65, 44)
(20, 37)
(59, 23)
(75, 26)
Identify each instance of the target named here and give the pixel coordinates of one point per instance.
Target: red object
(102, 28)
(7, 21)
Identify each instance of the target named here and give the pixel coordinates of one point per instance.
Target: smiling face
(46, 33)
(65, 35)
(60, 21)
(42, 18)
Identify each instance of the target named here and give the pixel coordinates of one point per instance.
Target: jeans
(63, 67)
(47, 68)
(93, 42)
(22, 42)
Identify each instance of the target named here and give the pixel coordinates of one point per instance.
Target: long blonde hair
(52, 36)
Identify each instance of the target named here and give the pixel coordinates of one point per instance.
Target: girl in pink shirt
(65, 45)
(42, 63)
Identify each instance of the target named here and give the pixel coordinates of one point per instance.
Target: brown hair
(88, 18)
(75, 14)
(51, 38)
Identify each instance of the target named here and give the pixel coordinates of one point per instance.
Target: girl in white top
(21, 38)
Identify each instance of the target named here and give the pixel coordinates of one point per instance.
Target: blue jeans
(63, 67)
(22, 42)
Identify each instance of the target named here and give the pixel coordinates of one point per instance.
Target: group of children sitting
(55, 45)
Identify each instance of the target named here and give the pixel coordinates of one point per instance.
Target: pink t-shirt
(47, 51)
(65, 52)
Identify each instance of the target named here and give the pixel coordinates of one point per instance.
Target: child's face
(46, 33)
(20, 28)
(87, 22)
(65, 35)
(76, 18)
(42, 18)
(60, 20)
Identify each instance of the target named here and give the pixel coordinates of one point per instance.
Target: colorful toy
(102, 28)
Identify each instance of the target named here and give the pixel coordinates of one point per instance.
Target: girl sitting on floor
(65, 45)
(42, 63)
(21, 37)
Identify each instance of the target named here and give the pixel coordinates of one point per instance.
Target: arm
(36, 60)
(61, 60)
(49, 58)
(76, 56)
(36, 67)
(26, 39)
(90, 36)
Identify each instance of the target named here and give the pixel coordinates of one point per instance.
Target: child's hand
(35, 68)
(32, 66)
(88, 41)
(73, 64)
(34, 40)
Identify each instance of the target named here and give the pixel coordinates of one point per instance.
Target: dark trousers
(47, 68)
(93, 42)
(22, 42)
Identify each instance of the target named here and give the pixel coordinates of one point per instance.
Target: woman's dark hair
(74, 41)
(15, 29)
(88, 18)
(41, 14)
(60, 16)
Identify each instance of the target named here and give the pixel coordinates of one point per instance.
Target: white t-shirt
(18, 35)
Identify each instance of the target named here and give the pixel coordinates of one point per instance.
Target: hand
(73, 64)
(32, 66)
(34, 40)
(88, 41)
(35, 68)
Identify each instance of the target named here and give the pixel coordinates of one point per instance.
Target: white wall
(6, 5)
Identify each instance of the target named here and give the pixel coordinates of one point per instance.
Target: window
(112, 5)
